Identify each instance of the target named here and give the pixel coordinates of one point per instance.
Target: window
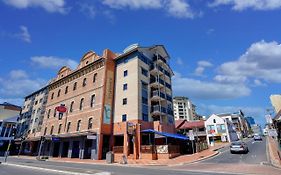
(55, 112)
(58, 93)
(95, 77)
(124, 101)
(59, 130)
(66, 90)
(41, 99)
(71, 107)
(84, 82)
(90, 123)
(33, 131)
(93, 100)
(144, 117)
(125, 73)
(52, 129)
(144, 72)
(125, 87)
(74, 86)
(78, 125)
(36, 102)
(52, 97)
(214, 121)
(124, 117)
(60, 115)
(81, 104)
(45, 131)
(68, 126)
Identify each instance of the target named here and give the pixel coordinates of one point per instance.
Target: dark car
(238, 147)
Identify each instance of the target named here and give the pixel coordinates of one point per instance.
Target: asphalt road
(256, 154)
(94, 169)
(10, 170)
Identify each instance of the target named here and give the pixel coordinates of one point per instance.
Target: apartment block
(184, 109)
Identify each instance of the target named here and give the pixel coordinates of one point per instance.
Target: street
(255, 162)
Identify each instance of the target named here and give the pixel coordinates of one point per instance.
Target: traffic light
(14, 131)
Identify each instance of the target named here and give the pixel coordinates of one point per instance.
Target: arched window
(49, 112)
(59, 93)
(95, 77)
(45, 131)
(71, 106)
(52, 129)
(68, 126)
(74, 86)
(81, 103)
(90, 123)
(59, 130)
(84, 82)
(78, 125)
(66, 90)
(52, 96)
(93, 100)
(55, 112)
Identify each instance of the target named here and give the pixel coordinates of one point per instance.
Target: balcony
(156, 82)
(157, 110)
(156, 70)
(157, 96)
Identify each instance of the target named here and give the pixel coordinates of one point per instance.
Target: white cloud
(24, 35)
(202, 65)
(180, 9)
(207, 89)
(260, 61)
(53, 62)
(48, 5)
(175, 8)
(18, 84)
(256, 112)
(230, 79)
(88, 10)
(257, 82)
(240, 5)
(210, 31)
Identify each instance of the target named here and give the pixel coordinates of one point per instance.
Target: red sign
(61, 109)
(212, 131)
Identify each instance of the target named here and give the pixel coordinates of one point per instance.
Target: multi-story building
(250, 120)
(239, 121)
(276, 102)
(184, 109)
(32, 113)
(143, 98)
(8, 110)
(220, 130)
(84, 130)
(7, 133)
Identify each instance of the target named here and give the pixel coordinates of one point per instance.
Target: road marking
(56, 171)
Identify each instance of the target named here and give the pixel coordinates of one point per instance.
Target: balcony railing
(159, 58)
(157, 80)
(158, 94)
(157, 108)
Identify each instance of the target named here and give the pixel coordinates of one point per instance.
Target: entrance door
(56, 149)
(131, 144)
(105, 145)
(65, 148)
(75, 149)
(87, 149)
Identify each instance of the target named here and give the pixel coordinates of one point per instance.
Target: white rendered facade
(183, 109)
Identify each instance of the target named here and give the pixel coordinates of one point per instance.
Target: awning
(176, 136)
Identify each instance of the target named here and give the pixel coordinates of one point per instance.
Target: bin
(109, 157)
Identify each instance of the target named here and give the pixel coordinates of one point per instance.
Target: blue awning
(166, 134)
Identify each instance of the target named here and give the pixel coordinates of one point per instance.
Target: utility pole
(42, 140)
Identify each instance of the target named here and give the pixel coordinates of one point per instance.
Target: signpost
(91, 137)
(191, 138)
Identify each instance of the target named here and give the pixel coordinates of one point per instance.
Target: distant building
(250, 120)
(32, 114)
(184, 109)
(8, 110)
(220, 129)
(7, 132)
(256, 129)
(239, 121)
(276, 102)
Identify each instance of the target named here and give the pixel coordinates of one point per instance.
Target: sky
(225, 54)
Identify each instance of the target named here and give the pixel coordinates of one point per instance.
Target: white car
(238, 147)
(257, 137)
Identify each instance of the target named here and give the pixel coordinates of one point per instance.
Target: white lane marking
(56, 171)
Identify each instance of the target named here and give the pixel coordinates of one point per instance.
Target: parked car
(238, 147)
(250, 136)
(257, 137)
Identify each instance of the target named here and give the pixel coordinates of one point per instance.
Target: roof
(176, 136)
(178, 123)
(190, 124)
(13, 119)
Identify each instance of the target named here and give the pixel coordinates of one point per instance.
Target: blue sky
(226, 54)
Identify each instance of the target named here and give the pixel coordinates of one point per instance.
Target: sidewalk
(273, 152)
(184, 159)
